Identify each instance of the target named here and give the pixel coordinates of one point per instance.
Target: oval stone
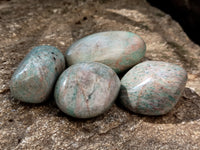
(35, 76)
(119, 50)
(152, 87)
(86, 90)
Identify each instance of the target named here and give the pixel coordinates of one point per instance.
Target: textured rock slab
(186, 12)
(28, 23)
(153, 87)
(86, 90)
(119, 50)
(35, 76)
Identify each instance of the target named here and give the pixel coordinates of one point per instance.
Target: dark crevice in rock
(186, 12)
(10, 120)
(19, 140)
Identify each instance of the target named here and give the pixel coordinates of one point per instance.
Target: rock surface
(119, 50)
(25, 24)
(36, 75)
(152, 87)
(87, 90)
(186, 12)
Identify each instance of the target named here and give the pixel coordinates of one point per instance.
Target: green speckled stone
(86, 90)
(35, 76)
(119, 50)
(152, 87)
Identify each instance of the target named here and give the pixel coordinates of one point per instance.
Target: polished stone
(86, 90)
(152, 87)
(35, 76)
(119, 50)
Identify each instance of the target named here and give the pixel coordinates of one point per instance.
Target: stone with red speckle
(119, 50)
(152, 87)
(36, 75)
(86, 90)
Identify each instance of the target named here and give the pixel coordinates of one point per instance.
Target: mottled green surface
(153, 87)
(35, 76)
(118, 49)
(86, 90)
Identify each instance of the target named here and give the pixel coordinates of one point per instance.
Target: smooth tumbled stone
(152, 87)
(86, 90)
(119, 50)
(35, 76)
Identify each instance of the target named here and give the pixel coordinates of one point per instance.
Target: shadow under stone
(187, 109)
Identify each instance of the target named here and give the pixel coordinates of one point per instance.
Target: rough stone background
(25, 24)
(186, 12)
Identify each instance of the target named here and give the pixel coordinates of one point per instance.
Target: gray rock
(86, 90)
(119, 50)
(34, 79)
(152, 87)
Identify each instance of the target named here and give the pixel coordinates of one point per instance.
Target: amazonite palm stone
(36, 75)
(119, 50)
(86, 90)
(152, 87)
